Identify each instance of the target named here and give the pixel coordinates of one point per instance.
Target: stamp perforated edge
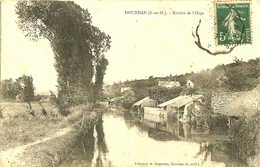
(215, 20)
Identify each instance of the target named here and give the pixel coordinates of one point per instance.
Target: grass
(17, 109)
(18, 127)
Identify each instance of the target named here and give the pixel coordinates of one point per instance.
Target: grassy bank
(18, 127)
(43, 141)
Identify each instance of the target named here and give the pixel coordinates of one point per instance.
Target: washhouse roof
(141, 101)
(247, 104)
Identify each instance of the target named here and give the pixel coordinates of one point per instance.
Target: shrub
(128, 99)
(218, 122)
(244, 135)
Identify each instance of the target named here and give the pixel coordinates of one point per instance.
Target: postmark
(233, 23)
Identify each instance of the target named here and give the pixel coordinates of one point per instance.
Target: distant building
(169, 84)
(125, 89)
(190, 84)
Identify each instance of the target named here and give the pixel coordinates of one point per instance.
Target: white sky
(142, 45)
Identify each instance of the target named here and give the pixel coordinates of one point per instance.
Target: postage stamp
(233, 25)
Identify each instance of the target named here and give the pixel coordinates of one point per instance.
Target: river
(125, 139)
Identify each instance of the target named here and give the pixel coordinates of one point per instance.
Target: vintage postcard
(125, 83)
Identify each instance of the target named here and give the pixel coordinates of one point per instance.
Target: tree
(27, 91)
(10, 89)
(128, 99)
(77, 45)
(140, 87)
(163, 94)
(188, 91)
(99, 77)
(242, 75)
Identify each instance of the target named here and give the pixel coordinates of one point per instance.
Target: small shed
(166, 105)
(182, 106)
(179, 105)
(138, 105)
(246, 105)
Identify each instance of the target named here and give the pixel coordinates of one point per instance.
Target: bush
(244, 136)
(218, 122)
(128, 99)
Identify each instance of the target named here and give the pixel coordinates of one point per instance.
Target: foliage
(163, 94)
(61, 104)
(113, 90)
(209, 119)
(10, 89)
(182, 79)
(21, 88)
(189, 91)
(218, 122)
(78, 46)
(27, 93)
(206, 107)
(140, 87)
(128, 99)
(100, 72)
(242, 75)
(244, 135)
(38, 97)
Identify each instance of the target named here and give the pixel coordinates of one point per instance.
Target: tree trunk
(29, 103)
(1, 114)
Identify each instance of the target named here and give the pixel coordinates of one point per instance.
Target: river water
(126, 139)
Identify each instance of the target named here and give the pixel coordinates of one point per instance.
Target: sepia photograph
(129, 83)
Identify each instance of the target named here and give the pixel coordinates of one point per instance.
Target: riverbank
(48, 149)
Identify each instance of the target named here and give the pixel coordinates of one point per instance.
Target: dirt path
(12, 156)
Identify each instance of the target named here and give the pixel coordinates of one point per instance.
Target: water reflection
(162, 129)
(100, 157)
(129, 138)
(204, 151)
(83, 152)
(88, 143)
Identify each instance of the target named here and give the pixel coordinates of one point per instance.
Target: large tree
(100, 69)
(78, 46)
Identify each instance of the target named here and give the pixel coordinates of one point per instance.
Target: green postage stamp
(233, 25)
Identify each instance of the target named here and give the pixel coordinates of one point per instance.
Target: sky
(142, 45)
